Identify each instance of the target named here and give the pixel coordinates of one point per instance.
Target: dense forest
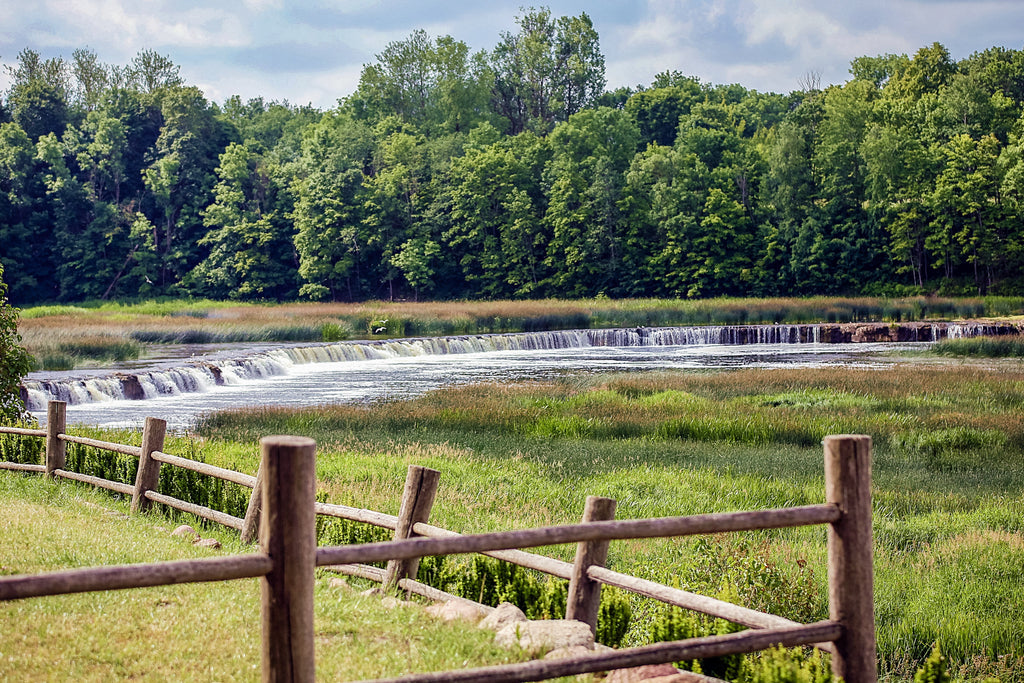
(513, 173)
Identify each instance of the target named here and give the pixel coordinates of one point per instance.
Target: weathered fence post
(850, 557)
(584, 599)
(417, 499)
(148, 475)
(56, 449)
(251, 523)
(288, 536)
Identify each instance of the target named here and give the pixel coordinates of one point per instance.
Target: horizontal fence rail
(657, 653)
(849, 634)
(591, 531)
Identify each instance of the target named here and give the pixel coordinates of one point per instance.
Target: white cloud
(130, 26)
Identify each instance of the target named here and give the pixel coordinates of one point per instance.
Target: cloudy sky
(312, 51)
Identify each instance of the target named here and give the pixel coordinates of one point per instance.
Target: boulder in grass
(207, 543)
(456, 609)
(658, 673)
(541, 637)
(504, 614)
(186, 531)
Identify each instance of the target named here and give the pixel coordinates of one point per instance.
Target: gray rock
(651, 673)
(504, 614)
(567, 652)
(185, 530)
(540, 637)
(456, 609)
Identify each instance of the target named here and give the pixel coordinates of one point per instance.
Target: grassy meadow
(948, 483)
(948, 471)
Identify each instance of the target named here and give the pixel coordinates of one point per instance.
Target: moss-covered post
(850, 557)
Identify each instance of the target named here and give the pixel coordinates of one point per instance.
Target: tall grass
(169, 321)
(981, 347)
(948, 482)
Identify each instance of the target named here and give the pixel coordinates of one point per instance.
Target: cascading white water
(198, 376)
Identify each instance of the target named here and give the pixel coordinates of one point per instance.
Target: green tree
(547, 71)
(331, 239)
(15, 362)
(181, 179)
(657, 111)
(970, 225)
(434, 85)
(25, 231)
(496, 200)
(251, 253)
(586, 178)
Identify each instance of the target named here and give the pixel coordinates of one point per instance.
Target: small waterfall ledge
(200, 375)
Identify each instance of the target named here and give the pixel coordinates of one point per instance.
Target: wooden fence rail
(284, 508)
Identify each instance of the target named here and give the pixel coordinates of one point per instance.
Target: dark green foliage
(22, 449)
(673, 623)
(14, 360)
(779, 665)
(509, 173)
(491, 582)
(185, 485)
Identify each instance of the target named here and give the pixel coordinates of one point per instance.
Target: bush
(15, 362)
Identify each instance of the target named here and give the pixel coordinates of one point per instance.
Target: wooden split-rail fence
(283, 510)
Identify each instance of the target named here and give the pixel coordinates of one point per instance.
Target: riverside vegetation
(98, 333)
(948, 478)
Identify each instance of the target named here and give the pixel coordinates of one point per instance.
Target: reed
(981, 347)
(202, 321)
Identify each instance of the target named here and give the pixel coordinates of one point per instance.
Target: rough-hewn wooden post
(417, 499)
(56, 423)
(288, 536)
(148, 475)
(584, 599)
(850, 557)
(251, 523)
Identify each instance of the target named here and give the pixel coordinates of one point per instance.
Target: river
(181, 389)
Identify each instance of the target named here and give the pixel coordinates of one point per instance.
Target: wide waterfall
(201, 374)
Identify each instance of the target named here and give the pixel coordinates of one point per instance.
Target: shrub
(934, 668)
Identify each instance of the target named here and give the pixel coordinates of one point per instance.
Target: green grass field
(948, 481)
(194, 632)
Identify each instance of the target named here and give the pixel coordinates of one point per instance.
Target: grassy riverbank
(948, 482)
(196, 632)
(63, 337)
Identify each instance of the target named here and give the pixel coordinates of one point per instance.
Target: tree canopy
(452, 172)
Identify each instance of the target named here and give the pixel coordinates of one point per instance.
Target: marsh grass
(981, 347)
(67, 352)
(948, 482)
(196, 321)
